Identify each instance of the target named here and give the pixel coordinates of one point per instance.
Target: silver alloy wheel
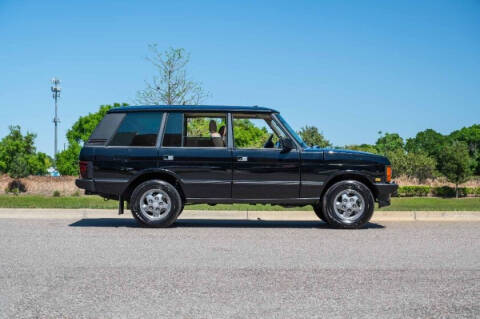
(155, 204)
(349, 205)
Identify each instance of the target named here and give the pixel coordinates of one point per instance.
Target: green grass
(399, 204)
(433, 203)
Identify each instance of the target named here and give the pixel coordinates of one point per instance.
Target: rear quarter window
(138, 129)
(105, 129)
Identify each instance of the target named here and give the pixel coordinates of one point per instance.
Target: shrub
(443, 191)
(56, 193)
(15, 187)
(408, 191)
(76, 194)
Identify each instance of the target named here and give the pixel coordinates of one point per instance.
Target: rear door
(132, 148)
(195, 148)
(261, 170)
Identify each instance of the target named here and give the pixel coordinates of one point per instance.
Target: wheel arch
(349, 176)
(161, 174)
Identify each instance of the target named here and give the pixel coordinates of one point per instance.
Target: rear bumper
(86, 184)
(384, 192)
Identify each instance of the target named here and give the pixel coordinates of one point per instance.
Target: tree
(67, 160)
(18, 155)
(429, 142)
(84, 126)
(471, 136)
(420, 165)
(363, 148)
(389, 142)
(171, 85)
(77, 135)
(248, 135)
(455, 163)
(311, 136)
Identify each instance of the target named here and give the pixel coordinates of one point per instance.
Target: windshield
(291, 131)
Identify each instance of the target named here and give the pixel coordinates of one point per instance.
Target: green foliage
(171, 84)
(312, 137)
(247, 135)
(455, 163)
(416, 165)
(389, 142)
(429, 142)
(67, 160)
(77, 135)
(471, 136)
(420, 166)
(363, 148)
(18, 156)
(443, 191)
(19, 167)
(199, 126)
(409, 191)
(56, 193)
(15, 187)
(84, 126)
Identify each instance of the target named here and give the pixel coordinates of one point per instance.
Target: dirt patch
(45, 185)
(437, 182)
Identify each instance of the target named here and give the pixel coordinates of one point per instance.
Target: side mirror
(286, 144)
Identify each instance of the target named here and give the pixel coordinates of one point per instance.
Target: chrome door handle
(242, 159)
(168, 157)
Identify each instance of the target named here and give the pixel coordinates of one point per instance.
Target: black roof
(189, 108)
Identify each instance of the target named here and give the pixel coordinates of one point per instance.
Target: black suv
(159, 158)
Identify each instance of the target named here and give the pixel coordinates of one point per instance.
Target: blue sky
(351, 68)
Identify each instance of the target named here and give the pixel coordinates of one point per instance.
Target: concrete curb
(29, 213)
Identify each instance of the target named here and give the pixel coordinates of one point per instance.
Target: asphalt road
(109, 268)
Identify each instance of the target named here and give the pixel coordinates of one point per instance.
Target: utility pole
(56, 94)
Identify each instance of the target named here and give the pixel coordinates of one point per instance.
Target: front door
(261, 169)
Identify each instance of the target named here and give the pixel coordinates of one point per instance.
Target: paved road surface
(110, 268)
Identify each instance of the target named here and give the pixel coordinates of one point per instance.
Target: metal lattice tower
(56, 94)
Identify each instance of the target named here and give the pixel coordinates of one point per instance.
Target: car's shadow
(211, 223)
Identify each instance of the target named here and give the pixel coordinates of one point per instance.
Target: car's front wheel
(156, 203)
(348, 204)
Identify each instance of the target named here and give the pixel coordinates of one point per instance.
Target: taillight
(388, 173)
(83, 165)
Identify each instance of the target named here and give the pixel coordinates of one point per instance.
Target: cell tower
(56, 94)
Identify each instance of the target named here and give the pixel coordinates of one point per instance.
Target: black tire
(351, 189)
(318, 209)
(169, 197)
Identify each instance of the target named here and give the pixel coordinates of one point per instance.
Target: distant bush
(56, 194)
(409, 191)
(15, 187)
(443, 191)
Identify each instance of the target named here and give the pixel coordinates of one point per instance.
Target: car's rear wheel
(156, 203)
(348, 204)
(317, 208)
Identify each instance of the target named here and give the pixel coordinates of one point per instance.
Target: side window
(256, 131)
(138, 129)
(105, 129)
(196, 130)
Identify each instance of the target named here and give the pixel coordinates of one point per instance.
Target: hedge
(443, 191)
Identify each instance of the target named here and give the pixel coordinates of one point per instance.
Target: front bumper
(86, 184)
(384, 192)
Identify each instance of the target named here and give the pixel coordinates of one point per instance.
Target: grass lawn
(398, 204)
